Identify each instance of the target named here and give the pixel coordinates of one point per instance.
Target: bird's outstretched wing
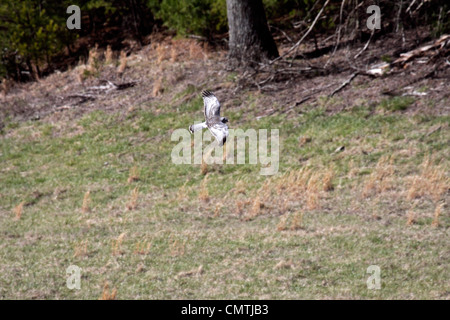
(211, 105)
(220, 131)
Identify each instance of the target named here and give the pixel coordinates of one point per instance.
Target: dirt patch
(173, 71)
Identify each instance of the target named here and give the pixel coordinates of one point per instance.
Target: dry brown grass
(86, 206)
(117, 244)
(284, 205)
(284, 265)
(353, 170)
(132, 203)
(157, 88)
(142, 247)
(80, 249)
(282, 224)
(18, 210)
(6, 86)
(305, 185)
(204, 194)
(197, 51)
(177, 247)
(106, 294)
(297, 221)
(35, 74)
(205, 51)
(109, 55)
(312, 192)
(93, 64)
(381, 179)
(194, 272)
(80, 74)
(133, 175)
(435, 179)
(173, 54)
(415, 191)
(174, 50)
(291, 221)
(123, 63)
(93, 56)
(432, 182)
(182, 193)
(255, 209)
(160, 53)
(239, 188)
(437, 214)
(240, 205)
(299, 181)
(266, 189)
(219, 206)
(411, 218)
(327, 181)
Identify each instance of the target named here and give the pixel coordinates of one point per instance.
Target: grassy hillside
(92, 184)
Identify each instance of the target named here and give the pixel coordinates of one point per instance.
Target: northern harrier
(214, 122)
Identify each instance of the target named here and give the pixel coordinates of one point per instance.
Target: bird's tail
(206, 93)
(197, 127)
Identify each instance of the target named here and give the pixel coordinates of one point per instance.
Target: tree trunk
(250, 38)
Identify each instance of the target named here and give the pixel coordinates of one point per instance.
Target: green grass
(397, 103)
(51, 166)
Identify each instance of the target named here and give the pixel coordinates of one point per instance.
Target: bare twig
(343, 85)
(398, 16)
(366, 46)
(83, 97)
(339, 28)
(297, 103)
(297, 25)
(284, 33)
(410, 6)
(295, 46)
(196, 37)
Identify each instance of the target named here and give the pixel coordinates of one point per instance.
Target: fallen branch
(343, 85)
(394, 91)
(297, 103)
(366, 46)
(112, 86)
(83, 97)
(196, 37)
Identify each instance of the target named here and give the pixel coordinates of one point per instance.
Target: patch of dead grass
(86, 206)
(133, 175)
(107, 294)
(117, 244)
(18, 210)
(132, 203)
(204, 194)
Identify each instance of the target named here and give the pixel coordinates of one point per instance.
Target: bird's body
(213, 121)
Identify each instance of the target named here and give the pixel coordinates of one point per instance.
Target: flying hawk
(214, 122)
